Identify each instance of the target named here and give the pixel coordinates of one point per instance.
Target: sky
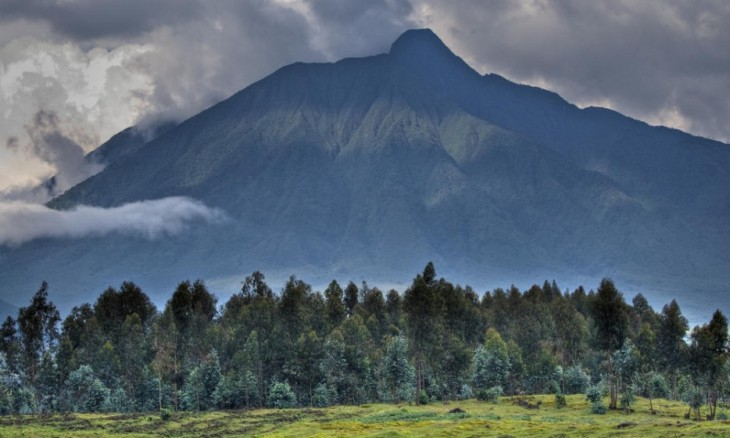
(75, 72)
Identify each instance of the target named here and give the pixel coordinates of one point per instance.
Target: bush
(321, 397)
(165, 414)
(627, 399)
(281, 396)
(423, 397)
(593, 394)
(658, 386)
(490, 395)
(576, 381)
(722, 416)
(598, 408)
(560, 400)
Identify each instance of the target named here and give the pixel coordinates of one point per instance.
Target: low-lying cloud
(22, 222)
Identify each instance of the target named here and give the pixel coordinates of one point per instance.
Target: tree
(10, 344)
(134, 354)
(351, 298)
(281, 396)
(84, 392)
(709, 353)
(491, 364)
(306, 358)
(397, 372)
(423, 306)
(611, 322)
(627, 361)
(335, 305)
(201, 384)
(671, 348)
(166, 363)
(39, 334)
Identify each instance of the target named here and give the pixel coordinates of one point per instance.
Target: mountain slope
(372, 166)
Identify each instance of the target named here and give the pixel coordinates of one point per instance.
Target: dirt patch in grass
(626, 425)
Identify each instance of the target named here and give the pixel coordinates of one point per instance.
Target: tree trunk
(651, 406)
(612, 385)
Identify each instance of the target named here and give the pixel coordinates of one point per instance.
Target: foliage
(281, 396)
(423, 398)
(576, 380)
(491, 363)
(84, 392)
(299, 347)
(321, 397)
(398, 374)
(595, 396)
(490, 394)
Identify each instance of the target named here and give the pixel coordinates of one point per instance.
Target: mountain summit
(370, 167)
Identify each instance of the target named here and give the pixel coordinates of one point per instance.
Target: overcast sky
(74, 72)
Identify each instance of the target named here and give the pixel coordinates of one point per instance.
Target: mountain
(369, 167)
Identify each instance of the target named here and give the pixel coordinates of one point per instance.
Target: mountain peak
(418, 43)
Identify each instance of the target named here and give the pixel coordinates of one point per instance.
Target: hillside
(371, 166)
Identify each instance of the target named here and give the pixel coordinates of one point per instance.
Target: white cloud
(93, 95)
(23, 222)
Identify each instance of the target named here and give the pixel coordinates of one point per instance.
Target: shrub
(576, 381)
(165, 414)
(490, 395)
(281, 396)
(593, 394)
(560, 400)
(423, 397)
(321, 397)
(658, 386)
(598, 408)
(627, 399)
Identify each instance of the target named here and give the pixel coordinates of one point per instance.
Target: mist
(21, 222)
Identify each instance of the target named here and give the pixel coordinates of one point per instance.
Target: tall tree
(671, 348)
(10, 344)
(351, 298)
(397, 372)
(491, 363)
(335, 304)
(39, 333)
(611, 322)
(423, 304)
(709, 352)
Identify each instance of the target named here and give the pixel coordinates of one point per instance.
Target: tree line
(354, 345)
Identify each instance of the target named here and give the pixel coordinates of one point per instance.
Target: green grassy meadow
(505, 419)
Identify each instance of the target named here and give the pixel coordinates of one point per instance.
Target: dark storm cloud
(89, 19)
(358, 28)
(656, 60)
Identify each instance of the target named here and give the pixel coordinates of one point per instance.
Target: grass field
(377, 420)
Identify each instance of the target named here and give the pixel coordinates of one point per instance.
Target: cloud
(55, 147)
(23, 222)
(91, 94)
(655, 60)
(89, 19)
(103, 65)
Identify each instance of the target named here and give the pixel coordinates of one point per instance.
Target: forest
(357, 344)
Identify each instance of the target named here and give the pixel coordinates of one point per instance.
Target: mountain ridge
(370, 166)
